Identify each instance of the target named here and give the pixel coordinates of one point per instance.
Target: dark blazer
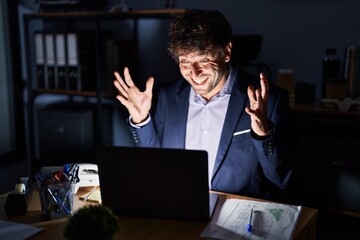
(245, 165)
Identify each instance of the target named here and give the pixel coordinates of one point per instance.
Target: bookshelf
(101, 42)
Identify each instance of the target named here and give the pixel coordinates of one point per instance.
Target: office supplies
(87, 174)
(88, 195)
(94, 196)
(19, 188)
(66, 168)
(13, 230)
(155, 183)
(56, 199)
(56, 189)
(249, 225)
(269, 221)
(17, 201)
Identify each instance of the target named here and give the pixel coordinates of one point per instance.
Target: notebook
(155, 182)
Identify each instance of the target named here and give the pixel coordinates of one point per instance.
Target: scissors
(60, 176)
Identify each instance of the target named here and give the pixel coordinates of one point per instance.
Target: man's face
(204, 72)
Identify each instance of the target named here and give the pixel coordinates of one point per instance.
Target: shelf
(73, 93)
(155, 13)
(317, 109)
(65, 92)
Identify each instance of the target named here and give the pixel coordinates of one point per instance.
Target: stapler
(88, 175)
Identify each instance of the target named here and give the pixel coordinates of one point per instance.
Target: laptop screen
(154, 182)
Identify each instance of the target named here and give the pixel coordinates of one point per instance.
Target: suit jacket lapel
(235, 109)
(180, 120)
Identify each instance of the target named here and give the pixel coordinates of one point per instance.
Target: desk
(145, 228)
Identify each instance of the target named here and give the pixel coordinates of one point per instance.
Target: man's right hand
(137, 103)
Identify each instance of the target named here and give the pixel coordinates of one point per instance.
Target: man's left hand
(258, 107)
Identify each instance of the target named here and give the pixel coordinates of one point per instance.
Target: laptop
(155, 182)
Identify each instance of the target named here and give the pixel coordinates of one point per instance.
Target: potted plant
(92, 222)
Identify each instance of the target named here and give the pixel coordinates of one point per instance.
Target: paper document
(94, 196)
(268, 220)
(15, 231)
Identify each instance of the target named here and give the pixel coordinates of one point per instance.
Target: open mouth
(199, 81)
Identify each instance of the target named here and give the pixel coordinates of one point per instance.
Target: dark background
(295, 34)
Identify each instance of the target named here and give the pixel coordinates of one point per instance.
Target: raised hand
(258, 107)
(137, 103)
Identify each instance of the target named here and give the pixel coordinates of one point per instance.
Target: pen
(57, 201)
(87, 196)
(66, 168)
(249, 225)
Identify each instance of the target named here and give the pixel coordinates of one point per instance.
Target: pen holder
(57, 199)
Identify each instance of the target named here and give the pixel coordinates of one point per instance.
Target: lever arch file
(50, 61)
(61, 72)
(73, 61)
(40, 60)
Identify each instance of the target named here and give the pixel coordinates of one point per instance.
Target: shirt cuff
(140, 124)
(271, 132)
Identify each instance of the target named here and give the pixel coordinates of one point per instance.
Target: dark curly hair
(195, 30)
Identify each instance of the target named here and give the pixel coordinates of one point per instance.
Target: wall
(6, 106)
(11, 173)
(13, 164)
(295, 33)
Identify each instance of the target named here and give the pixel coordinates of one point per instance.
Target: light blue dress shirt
(206, 119)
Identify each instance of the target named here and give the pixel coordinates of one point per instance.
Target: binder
(40, 60)
(60, 72)
(81, 61)
(49, 61)
(73, 62)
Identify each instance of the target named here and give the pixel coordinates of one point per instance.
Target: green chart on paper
(276, 221)
(276, 212)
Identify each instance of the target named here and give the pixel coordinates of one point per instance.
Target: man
(240, 121)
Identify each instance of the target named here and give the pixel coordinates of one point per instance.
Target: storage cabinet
(64, 131)
(328, 175)
(71, 57)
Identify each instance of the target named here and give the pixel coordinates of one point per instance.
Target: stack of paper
(14, 231)
(268, 220)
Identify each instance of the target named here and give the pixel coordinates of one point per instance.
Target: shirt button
(205, 132)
